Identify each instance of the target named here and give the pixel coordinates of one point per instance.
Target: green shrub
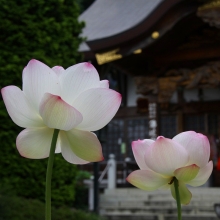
(47, 30)
(17, 208)
(26, 178)
(81, 196)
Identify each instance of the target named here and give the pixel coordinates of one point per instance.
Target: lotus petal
(59, 70)
(197, 145)
(34, 143)
(104, 84)
(139, 148)
(97, 106)
(164, 156)
(185, 174)
(202, 176)
(58, 146)
(20, 110)
(185, 194)
(78, 78)
(80, 147)
(39, 79)
(58, 114)
(147, 180)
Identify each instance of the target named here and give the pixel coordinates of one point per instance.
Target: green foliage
(18, 208)
(46, 30)
(84, 4)
(82, 175)
(81, 198)
(24, 177)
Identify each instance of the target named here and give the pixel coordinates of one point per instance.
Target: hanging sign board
(152, 111)
(107, 56)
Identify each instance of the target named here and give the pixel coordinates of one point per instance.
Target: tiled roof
(83, 47)
(105, 18)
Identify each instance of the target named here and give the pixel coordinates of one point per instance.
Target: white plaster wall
(131, 94)
(209, 94)
(190, 95)
(174, 98)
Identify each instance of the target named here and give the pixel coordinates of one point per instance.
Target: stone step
(142, 205)
(160, 209)
(196, 191)
(128, 203)
(160, 217)
(155, 210)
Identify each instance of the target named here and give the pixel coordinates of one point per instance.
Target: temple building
(163, 56)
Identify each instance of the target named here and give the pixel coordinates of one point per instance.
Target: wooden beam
(188, 55)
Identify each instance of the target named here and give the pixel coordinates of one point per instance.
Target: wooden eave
(144, 29)
(176, 21)
(170, 50)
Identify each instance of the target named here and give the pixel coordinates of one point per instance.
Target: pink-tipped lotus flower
(74, 101)
(185, 157)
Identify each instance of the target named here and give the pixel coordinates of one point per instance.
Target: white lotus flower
(185, 157)
(72, 100)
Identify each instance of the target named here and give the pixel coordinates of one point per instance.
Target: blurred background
(161, 55)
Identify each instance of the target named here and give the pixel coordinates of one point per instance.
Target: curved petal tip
(89, 65)
(160, 138)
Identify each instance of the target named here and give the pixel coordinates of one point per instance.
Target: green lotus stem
(49, 175)
(176, 186)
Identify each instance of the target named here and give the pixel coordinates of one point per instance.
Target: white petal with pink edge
(34, 143)
(38, 79)
(202, 176)
(139, 148)
(197, 146)
(58, 114)
(185, 174)
(185, 194)
(20, 110)
(97, 106)
(164, 156)
(147, 180)
(77, 79)
(58, 145)
(59, 70)
(104, 84)
(80, 147)
(67, 151)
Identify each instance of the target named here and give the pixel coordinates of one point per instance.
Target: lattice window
(213, 124)
(195, 123)
(136, 129)
(202, 123)
(168, 126)
(114, 132)
(119, 134)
